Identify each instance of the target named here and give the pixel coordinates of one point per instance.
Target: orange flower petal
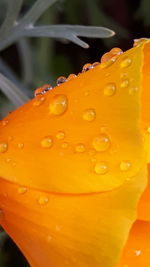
(74, 230)
(144, 203)
(98, 114)
(137, 250)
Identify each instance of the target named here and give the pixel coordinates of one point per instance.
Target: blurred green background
(46, 59)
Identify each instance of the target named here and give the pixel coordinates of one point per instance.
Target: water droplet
(124, 83)
(95, 64)
(39, 101)
(110, 89)
(133, 90)
(89, 114)
(60, 135)
(125, 165)
(101, 167)
(107, 64)
(64, 145)
(43, 200)
(3, 147)
(125, 62)
(59, 105)
(47, 142)
(4, 122)
(101, 142)
(106, 57)
(139, 41)
(22, 190)
(80, 148)
(86, 67)
(137, 252)
(116, 51)
(71, 76)
(42, 90)
(20, 145)
(61, 80)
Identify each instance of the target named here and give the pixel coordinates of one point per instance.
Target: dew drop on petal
(4, 122)
(124, 83)
(20, 145)
(106, 57)
(80, 148)
(3, 147)
(86, 67)
(47, 142)
(126, 62)
(61, 80)
(110, 89)
(107, 64)
(101, 167)
(64, 145)
(101, 142)
(125, 165)
(89, 114)
(133, 90)
(116, 51)
(95, 64)
(39, 101)
(137, 252)
(43, 200)
(22, 190)
(60, 135)
(71, 76)
(58, 105)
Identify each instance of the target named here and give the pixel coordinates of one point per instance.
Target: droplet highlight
(64, 145)
(58, 105)
(80, 148)
(3, 147)
(101, 168)
(22, 190)
(89, 115)
(43, 200)
(110, 89)
(61, 80)
(39, 101)
(47, 142)
(60, 135)
(124, 83)
(20, 145)
(101, 142)
(126, 62)
(125, 165)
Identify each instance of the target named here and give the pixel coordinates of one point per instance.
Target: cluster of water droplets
(59, 106)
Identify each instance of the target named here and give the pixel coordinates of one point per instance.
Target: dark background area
(51, 59)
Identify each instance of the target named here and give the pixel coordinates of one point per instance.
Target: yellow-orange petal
(137, 250)
(144, 203)
(117, 118)
(72, 229)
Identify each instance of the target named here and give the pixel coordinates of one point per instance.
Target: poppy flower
(74, 167)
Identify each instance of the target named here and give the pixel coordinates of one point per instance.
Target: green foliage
(16, 27)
